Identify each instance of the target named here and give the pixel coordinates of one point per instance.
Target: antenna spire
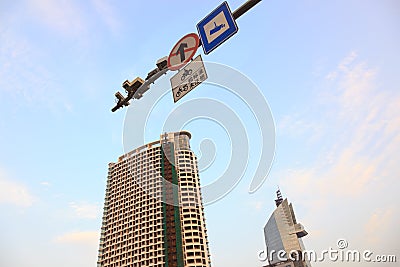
(279, 198)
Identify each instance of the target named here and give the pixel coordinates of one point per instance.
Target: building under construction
(153, 212)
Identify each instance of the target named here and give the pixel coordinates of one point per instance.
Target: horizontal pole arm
(244, 8)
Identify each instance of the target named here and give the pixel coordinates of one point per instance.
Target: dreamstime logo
(228, 100)
(342, 254)
(342, 243)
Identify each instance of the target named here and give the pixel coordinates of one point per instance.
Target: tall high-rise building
(283, 235)
(153, 213)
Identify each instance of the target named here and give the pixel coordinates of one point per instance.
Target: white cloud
(360, 128)
(22, 78)
(346, 62)
(257, 205)
(351, 187)
(86, 237)
(68, 19)
(382, 218)
(85, 210)
(294, 125)
(107, 14)
(62, 16)
(14, 193)
(44, 183)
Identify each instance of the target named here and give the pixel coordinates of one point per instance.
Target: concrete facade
(283, 233)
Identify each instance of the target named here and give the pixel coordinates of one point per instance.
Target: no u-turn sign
(183, 51)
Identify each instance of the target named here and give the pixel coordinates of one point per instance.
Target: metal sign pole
(244, 8)
(142, 86)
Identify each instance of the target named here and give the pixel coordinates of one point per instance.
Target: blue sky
(328, 69)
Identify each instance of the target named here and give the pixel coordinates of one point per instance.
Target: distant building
(153, 214)
(283, 236)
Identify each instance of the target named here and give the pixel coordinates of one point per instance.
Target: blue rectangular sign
(216, 28)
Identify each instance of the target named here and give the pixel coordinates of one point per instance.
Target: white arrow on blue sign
(216, 28)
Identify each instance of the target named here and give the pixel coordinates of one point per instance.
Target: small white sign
(188, 78)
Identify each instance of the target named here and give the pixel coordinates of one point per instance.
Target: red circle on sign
(183, 51)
